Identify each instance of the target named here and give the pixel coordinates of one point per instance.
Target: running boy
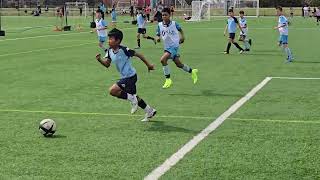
(125, 88)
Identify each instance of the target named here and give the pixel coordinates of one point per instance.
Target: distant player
(125, 88)
(114, 16)
(101, 27)
(284, 32)
(141, 22)
(244, 33)
(232, 29)
(169, 32)
(317, 15)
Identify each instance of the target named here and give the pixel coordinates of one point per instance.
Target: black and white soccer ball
(47, 127)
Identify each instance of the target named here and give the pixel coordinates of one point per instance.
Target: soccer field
(273, 135)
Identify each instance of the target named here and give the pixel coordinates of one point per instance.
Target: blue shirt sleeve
(158, 30)
(283, 20)
(178, 26)
(104, 23)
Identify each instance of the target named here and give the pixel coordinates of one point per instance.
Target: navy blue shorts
(128, 85)
(142, 30)
(232, 35)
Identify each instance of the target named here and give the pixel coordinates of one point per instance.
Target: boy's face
(241, 15)
(166, 16)
(231, 14)
(279, 12)
(113, 42)
(98, 15)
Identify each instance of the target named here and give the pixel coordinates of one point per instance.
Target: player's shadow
(58, 136)
(160, 126)
(206, 93)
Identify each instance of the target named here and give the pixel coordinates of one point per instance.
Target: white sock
(148, 109)
(131, 97)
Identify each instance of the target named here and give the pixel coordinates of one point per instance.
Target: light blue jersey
(283, 21)
(232, 24)
(141, 21)
(169, 34)
(121, 59)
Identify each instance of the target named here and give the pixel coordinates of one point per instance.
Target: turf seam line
(173, 116)
(176, 157)
(296, 78)
(98, 114)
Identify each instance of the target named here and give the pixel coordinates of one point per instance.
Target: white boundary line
(176, 157)
(39, 50)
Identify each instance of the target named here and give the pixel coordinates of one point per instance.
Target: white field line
(178, 117)
(176, 157)
(51, 35)
(54, 35)
(39, 50)
(97, 114)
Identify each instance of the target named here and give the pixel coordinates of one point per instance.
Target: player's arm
(240, 27)
(278, 27)
(182, 37)
(225, 30)
(144, 60)
(158, 34)
(106, 62)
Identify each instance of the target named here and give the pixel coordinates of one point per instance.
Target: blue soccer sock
(166, 71)
(288, 51)
(246, 44)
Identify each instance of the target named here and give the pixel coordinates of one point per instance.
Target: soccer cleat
(241, 52)
(134, 105)
(225, 52)
(247, 50)
(149, 115)
(167, 84)
(194, 75)
(137, 47)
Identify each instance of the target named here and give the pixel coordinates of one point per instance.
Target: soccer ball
(47, 127)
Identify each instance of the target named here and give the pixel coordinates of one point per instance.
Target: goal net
(77, 13)
(221, 7)
(200, 10)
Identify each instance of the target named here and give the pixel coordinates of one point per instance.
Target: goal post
(221, 7)
(77, 13)
(204, 10)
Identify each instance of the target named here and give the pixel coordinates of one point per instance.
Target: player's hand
(224, 34)
(275, 27)
(98, 57)
(181, 41)
(158, 40)
(151, 67)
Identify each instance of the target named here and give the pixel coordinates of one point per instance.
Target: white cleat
(134, 105)
(241, 52)
(149, 115)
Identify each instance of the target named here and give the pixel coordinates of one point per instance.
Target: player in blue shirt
(141, 22)
(284, 32)
(101, 28)
(172, 36)
(114, 16)
(125, 88)
(232, 29)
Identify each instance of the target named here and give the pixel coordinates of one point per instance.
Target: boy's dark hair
(166, 10)
(230, 10)
(241, 12)
(279, 8)
(99, 11)
(116, 33)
